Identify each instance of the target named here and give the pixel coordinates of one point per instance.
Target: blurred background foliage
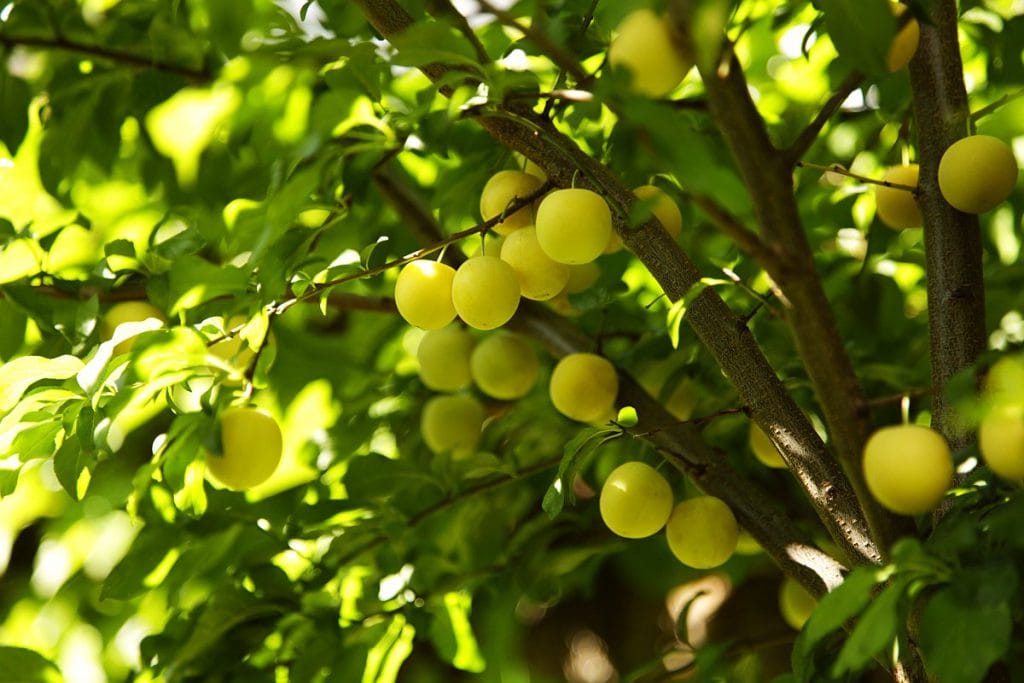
(218, 158)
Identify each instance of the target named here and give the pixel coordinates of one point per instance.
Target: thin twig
(128, 58)
(839, 170)
(993, 106)
(745, 238)
(810, 134)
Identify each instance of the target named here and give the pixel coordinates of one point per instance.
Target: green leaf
(431, 42)
(227, 609)
(13, 324)
(19, 374)
(452, 633)
(861, 30)
(70, 464)
(574, 452)
(127, 578)
(19, 665)
(37, 441)
(194, 281)
(15, 95)
(875, 630)
(845, 601)
(961, 640)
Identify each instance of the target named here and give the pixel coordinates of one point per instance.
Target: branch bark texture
(956, 288)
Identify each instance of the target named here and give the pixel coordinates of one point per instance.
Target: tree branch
(810, 134)
(956, 287)
(767, 173)
(562, 59)
(731, 227)
(126, 58)
(728, 339)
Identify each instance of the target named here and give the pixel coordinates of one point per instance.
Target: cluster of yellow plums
(251, 440)
(636, 502)
(976, 174)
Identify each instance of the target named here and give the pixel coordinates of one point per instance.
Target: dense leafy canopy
(257, 172)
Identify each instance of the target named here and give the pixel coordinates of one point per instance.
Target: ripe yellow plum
(582, 277)
(908, 468)
(503, 366)
(976, 173)
(501, 189)
(795, 603)
(234, 349)
(451, 423)
(663, 207)
(423, 294)
(489, 246)
(485, 292)
(644, 46)
(583, 387)
(533, 169)
(702, 532)
(1001, 442)
(1004, 380)
(904, 43)
(444, 358)
(763, 448)
(251, 441)
(540, 278)
(573, 225)
(635, 500)
(127, 312)
(898, 208)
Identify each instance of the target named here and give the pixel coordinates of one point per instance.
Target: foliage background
(226, 158)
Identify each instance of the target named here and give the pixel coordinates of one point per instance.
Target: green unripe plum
(503, 366)
(763, 448)
(976, 173)
(645, 48)
(485, 292)
(423, 294)
(444, 358)
(540, 278)
(904, 43)
(252, 442)
(908, 468)
(635, 500)
(583, 387)
(795, 603)
(501, 189)
(702, 532)
(127, 312)
(1001, 442)
(574, 225)
(897, 208)
(452, 424)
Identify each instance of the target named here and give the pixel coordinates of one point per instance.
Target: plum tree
(451, 423)
(423, 294)
(661, 206)
(583, 387)
(251, 444)
(977, 173)
(485, 292)
(908, 468)
(702, 532)
(573, 225)
(635, 500)
(443, 356)
(540, 278)
(644, 47)
(503, 366)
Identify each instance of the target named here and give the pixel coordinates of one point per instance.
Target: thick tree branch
(956, 288)
(729, 341)
(127, 58)
(767, 173)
